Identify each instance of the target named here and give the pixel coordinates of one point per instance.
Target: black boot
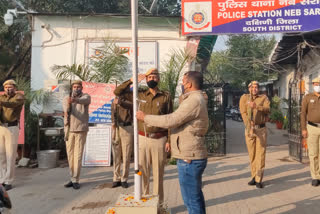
(259, 185)
(116, 184)
(252, 182)
(124, 184)
(315, 182)
(69, 184)
(76, 186)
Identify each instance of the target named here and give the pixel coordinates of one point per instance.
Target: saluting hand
(140, 78)
(140, 115)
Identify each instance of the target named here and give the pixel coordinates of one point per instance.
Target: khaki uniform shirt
(260, 113)
(123, 112)
(159, 104)
(188, 126)
(11, 107)
(79, 117)
(310, 110)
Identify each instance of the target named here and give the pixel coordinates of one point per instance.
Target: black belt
(155, 135)
(313, 124)
(125, 124)
(260, 126)
(14, 123)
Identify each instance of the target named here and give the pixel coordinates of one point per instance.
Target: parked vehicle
(228, 113)
(235, 114)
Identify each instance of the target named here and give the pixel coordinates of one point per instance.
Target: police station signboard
(249, 16)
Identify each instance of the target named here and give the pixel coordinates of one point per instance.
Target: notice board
(97, 150)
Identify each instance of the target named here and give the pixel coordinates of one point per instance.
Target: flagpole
(134, 27)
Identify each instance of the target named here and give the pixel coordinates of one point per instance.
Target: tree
(172, 70)
(15, 45)
(245, 59)
(160, 7)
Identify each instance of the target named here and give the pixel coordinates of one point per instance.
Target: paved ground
(287, 185)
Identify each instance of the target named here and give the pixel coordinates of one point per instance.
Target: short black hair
(196, 78)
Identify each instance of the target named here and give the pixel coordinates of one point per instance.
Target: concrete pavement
(287, 184)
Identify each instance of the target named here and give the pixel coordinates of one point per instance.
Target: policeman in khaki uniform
(310, 126)
(78, 128)
(254, 110)
(122, 137)
(152, 140)
(11, 104)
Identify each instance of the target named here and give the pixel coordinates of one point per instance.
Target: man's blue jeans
(190, 179)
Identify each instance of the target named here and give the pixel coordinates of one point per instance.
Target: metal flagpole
(134, 26)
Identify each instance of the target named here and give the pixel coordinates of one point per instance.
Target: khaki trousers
(313, 150)
(152, 153)
(256, 146)
(75, 146)
(8, 153)
(122, 149)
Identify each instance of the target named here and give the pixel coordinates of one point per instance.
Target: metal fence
(297, 147)
(216, 136)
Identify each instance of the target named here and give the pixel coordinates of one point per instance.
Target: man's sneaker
(69, 184)
(76, 186)
(315, 182)
(252, 182)
(259, 185)
(124, 184)
(7, 186)
(116, 184)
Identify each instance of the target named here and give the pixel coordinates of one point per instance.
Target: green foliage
(276, 115)
(285, 122)
(31, 118)
(275, 102)
(111, 64)
(172, 161)
(66, 72)
(275, 112)
(162, 7)
(245, 59)
(76, 6)
(15, 44)
(172, 70)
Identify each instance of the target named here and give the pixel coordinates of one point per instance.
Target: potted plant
(277, 117)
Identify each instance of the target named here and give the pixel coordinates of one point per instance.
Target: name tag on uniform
(311, 101)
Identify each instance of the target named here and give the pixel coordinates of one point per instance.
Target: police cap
(317, 79)
(78, 82)
(152, 71)
(10, 82)
(253, 83)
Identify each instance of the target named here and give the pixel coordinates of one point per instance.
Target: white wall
(283, 81)
(61, 40)
(311, 68)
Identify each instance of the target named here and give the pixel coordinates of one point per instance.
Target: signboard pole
(134, 26)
